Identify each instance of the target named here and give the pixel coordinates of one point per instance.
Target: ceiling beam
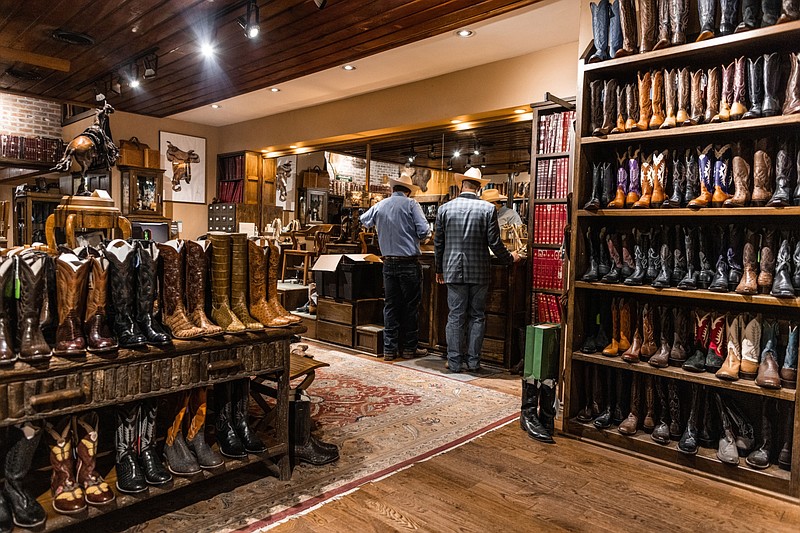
(38, 60)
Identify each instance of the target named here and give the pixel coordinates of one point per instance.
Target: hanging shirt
(400, 224)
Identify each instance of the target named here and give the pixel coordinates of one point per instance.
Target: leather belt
(401, 259)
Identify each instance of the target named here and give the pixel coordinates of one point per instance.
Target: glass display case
(141, 193)
(30, 216)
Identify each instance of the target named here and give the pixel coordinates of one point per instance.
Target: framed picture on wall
(184, 158)
(286, 182)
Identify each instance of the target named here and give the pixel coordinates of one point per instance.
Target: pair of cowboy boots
(73, 451)
(229, 283)
(186, 451)
(138, 464)
(264, 305)
(537, 413)
(235, 437)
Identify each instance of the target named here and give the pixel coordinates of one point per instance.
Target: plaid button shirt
(466, 228)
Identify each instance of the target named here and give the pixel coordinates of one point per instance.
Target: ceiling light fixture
(349, 67)
(293, 146)
(457, 153)
(465, 33)
(455, 121)
(320, 3)
(519, 111)
(215, 106)
(207, 49)
(275, 90)
(252, 23)
(150, 66)
(132, 73)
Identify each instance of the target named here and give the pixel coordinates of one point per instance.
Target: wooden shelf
(546, 246)
(697, 294)
(710, 51)
(556, 292)
(705, 462)
(550, 200)
(681, 134)
(673, 372)
(552, 155)
(686, 212)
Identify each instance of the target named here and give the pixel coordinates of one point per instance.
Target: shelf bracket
(550, 97)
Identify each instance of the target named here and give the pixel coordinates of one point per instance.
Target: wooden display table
(87, 212)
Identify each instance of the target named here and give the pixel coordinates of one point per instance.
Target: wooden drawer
(335, 333)
(497, 301)
(333, 311)
(369, 312)
(369, 338)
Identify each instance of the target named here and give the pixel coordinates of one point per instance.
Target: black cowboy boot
(755, 86)
(707, 431)
(637, 277)
(782, 279)
(529, 416)
(759, 458)
(230, 445)
(661, 432)
(32, 273)
(706, 275)
(604, 260)
(303, 445)
(240, 395)
(707, 11)
(130, 476)
(688, 442)
(122, 275)
(593, 204)
(25, 509)
(608, 185)
(678, 257)
(653, 259)
(772, 78)
(675, 431)
(689, 281)
(734, 256)
(207, 458)
(664, 276)
(603, 421)
(154, 471)
(749, 16)
(784, 161)
(591, 273)
(676, 199)
(146, 291)
(770, 12)
(720, 281)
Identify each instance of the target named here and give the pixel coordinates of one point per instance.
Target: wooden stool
(87, 212)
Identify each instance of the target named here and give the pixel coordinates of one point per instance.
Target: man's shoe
(389, 356)
(419, 352)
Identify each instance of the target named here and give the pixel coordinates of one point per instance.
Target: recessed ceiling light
(465, 33)
(457, 153)
(349, 67)
(215, 106)
(455, 121)
(264, 151)
(519, 111)
(275, 90)
(293, 146)
(207, 49)
(134, 83)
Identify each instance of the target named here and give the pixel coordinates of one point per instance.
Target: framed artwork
(286, 182)
(184, 158)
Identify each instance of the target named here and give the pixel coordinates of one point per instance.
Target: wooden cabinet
(142, 199)
(30, 216)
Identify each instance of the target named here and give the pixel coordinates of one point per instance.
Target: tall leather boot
(670, 95)
(791, 102)
(653, 259)
(99, 338)
(751, 349)
(607, 184)
(272, 286)
(7, 355)
(796, 194)
(26, 510)
(635, 178)
(239, 285)
(660, 178)
(770, 106)
(130, 475)
(72, 274)
(630, 425)
(660, 433)
(649, 347)
(609, 107)
(207, 458)
(628, 263)
(726, 97)
(707, 11)
(173, 312)
(662, 281)
(782, 279)
(645, 103)
(601, 18)
(720, 281)
(624, 324)
(86, 431)
(689, 281)
(698, 97)
(705, 167)
(770, 12)
(661, 358)
(759, 458)
(785, 455)
(767, 265)
(706, 274)
(547, 405)
(763, 179)
(589, 409)
(734, 325)
(647, 27)
(768, 375)
(622, 392)
(196, 280)
(591, 273)
(230, 445)
(33, 346)
(649, 421)
(755, 86)
(154, 471)
(146, 291)
(727, 23)
(603, 420)
(790, 10)
(305, 448)
(648, 177)
(707, 432)
(657, 117)
(679, 20)
(675, 430)
(221, 312)
(784, 186)
(734, 255)
(688, 443)
(603, 259)
(749, 282)
(593, 204)
(680, 341)
(663, 25)
(796, 267)
(640, 262)
(633, 352)
(622, 105)
(679, 267)
(627, 18)
(745, 434)
(726, 451)
(741, 179)
(122, 278)
(750, 19)
(692, 176)
(528, 415)
(178, 458)
(257, 258)
(615, 274)
(702, 327)
(717, 345)
(712, 93)
(622, 182)
(240, 395)
(632, 99)
(67, 494)
(739, 102)
(596, 107)
(723, 184)
(683, 93)
(788, 372)
(614, 30)
(612, 349)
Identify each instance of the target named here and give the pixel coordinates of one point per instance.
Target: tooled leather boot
(230, 445)
(705, 167)
(763, 179)
(645, 102)
(741, 179)
(622, 182)
(664, 276)
(240, 396)
(154, 471)
(770, 12)
(720, 281)
(782, 279)
(660, 433)
(707, 434)
(33, 346)
(7, 355)
(726, 97)
(612, 349)
(600, 23)
(596, 107)
(648, 177)
(632, 99)
(207, 458)
(614, 30)
(609, 107)
(624, 324)
(784, 186)
(27, 512)
(257, 258)
(649, 347)
(627, 18)
(679, 267)
(272, 285)
(178, 458)
(759, 458)
(678, 182)
(640, 262)
(630, 425)
(615, 274)
(679, 20)
(95, 490)
(239, 283)
(770, 106)
(635, 178)
(628, 263)
(688, 443)
(593, 203)
(647, 26)
(785, 455)
(653, 259)
(659, 178)
(99, 338)
(767, 265)
(661, 358)
(751, 349)
(706, 274)
(739, 103)
(768, 371)
(680, 341)
(726, 451)
(146, 292)
(790, 10)
(72, 274)
(707, 12)
(717, 345)
(670, 97)
(749, 282)
(734, 255)
(622, 106)
(791, 103)
(698, 99)
(712, 94)
(788, 372)
(603, 259)
(648, 422)
(657, 118)
(196, 280)
(692, 176)
(749, 16)
(591, 273)
(675, 430)
(734, 326)
(631, 355)
(727, 23)
(221, 312)
(122, 278)
(663, 25)
(683, 90)
(173, 312)
(130, 475)
(723, 185)
(755, 86)
(702, 326)
(67, 494)
(689, 281)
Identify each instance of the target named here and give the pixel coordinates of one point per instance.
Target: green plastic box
(542, 351)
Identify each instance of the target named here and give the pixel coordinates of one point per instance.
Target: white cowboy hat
(492, 196)
(404, 181)
(473, 174)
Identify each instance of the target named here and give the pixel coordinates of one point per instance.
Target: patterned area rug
(383, 417)
(433, 364)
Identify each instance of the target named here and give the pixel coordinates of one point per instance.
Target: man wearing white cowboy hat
(401, 226)
(504, 214)
(465, 230)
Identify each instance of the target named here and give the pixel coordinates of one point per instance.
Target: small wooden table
(87, 212)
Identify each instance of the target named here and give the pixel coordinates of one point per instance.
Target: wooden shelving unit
(589, 149)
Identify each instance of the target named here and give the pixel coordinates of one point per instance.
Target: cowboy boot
(749, 282)
(653, 260)
(603, 420)
(622, 105)
(689, 281)
(679, 267)
(632, 99)
(630, 425)
(717, 345)
(154, 471)
(675, 430)
(727, 23)
(624, 325)
(593, 204)
(146, 291)
(596, 108)
(759, 458)
(683, 92)
(698, 99)
(640, 263)
(657, 117)
(726, 451)
(706, 274)
(631, 355)
(738, 104)
(678, 182)
(600, 22)
(122, 275)
(762, 174)
(688, 440)
(586, 414)
(705, 167)
(707, 12)
(99, 338)
(663, 25)
(591, 273)
(7, 355)
(305, 448)
(607, 184)
(734, 256)
(720, 281)
(679, 20)
(702, 326)
(649, 422)
(230, 445)
(788, 372)
(207, 458)
(647, 26)
(240, 395)
(173, 258)
(612, 349)
(528, 415)
(768, 376)
(707, 431)
(615, 274)
(796, 194)
(741, 179)
(627, 19)
(749, 16)
(622, 392)
(730, 368)
(670, 96)
(664, 276)
(622, 183)
(239, 283)
(179, 460)
(72, 274)
(770, 12)
(614, 30)
(648, 177)
(130, 475)
(790, 10)
(660, 433)
(660, 178)
(649, 347)
(744, 433)
(723, 186)
(635, 178)
(755, 86)
(547, 414)
(604, 260)
(784, 161)
(628, 264)
(726, 97)
(196, 276)
(85, 430)
(27, 512)
(767, 265)
(692, 176)
(609, 107)
(67, 494)
(770, 106)
(661, 357)
(751, 349)
(785, 455)
(645, 102)
(782, 279)
(272, 285)
(221, 312)
(33, 346)
(680, 341)
(712, 94)
(257, 257)
(791, 102)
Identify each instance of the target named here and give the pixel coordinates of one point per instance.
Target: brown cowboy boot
(730, 368)
(683, 94)
(791, 103)
(99, 338)
(649, 347)
(257, 257)
(712, 94)
(767, 266)
(645, 103)
(622, 109)
(679, 19)
(670, 95)
(763, 178)
(649, 422)
(71, 277)
(741, 179)
(647, 26)
(631, 355)
(631, 424)
(697, 99)
(663, 25)
(612, 349)
(648, 177)
(661, 358)
(627, 18)
(272, 285)
(660, 178)
(196, 279)
(221, 312)
(749, 282)
(726, 98)
(68, 496)
(738, 106)
(609, 106)
(173, 311)
(657, 118)
(624, 325)
(239, 283)
(631, 99)
(95, 489)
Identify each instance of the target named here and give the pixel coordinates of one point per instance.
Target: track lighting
(251, 23)
(150, 66)
(132, 74)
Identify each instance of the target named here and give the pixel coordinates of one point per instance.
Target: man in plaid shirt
(465, 230)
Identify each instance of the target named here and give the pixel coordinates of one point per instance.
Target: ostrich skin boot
(196, 280)
(173, 258)
(207, 458)
(7, 355)
(72, 274)
(178, 458)
(272, 285)
(122, 275)
(705, 167)
(239, 282)
(146, 292)
(33, 346)
(85, 430)
(257, 258)
(67, 493)
(99, 338)
(221, 312)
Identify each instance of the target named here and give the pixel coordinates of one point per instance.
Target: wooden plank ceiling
(296, 39)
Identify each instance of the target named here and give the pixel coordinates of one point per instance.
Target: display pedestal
(87, 212)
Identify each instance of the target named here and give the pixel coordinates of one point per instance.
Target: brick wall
(29, 117)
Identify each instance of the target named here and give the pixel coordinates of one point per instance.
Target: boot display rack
(589, 149)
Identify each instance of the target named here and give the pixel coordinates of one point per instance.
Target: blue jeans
(402, 285)
(467, 303)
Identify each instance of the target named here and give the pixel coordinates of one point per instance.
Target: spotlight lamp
(251, 23)
(132, 75)
(114, 85)
(150, 66)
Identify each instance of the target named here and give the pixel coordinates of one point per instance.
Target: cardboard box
(542, 351)
(349, 276)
